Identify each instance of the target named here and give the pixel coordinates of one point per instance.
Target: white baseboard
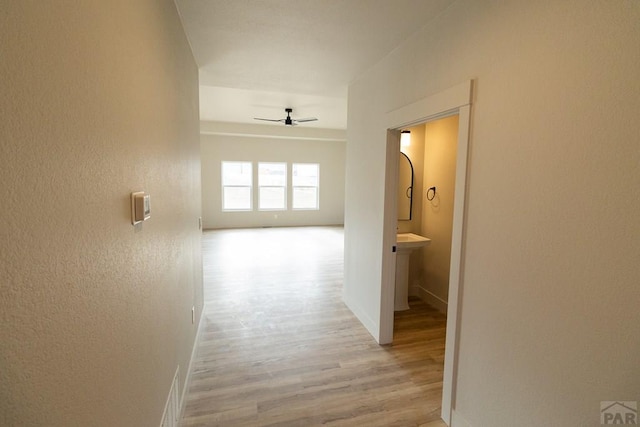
(194, 351)
(171, 413)
(431, 299)
(362, 316)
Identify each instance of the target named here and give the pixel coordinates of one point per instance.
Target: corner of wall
(458, 421)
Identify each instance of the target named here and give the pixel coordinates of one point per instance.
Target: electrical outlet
(193, 315)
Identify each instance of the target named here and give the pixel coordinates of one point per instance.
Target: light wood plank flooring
(280, 348)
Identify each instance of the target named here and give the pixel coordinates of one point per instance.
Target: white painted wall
(363, 211)
(99, 99)
(262, 143)
(550, 282)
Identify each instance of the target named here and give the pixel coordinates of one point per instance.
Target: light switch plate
(140, 207)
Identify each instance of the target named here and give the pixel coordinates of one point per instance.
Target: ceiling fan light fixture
(288, 121)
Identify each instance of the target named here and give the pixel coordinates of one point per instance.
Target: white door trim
(452, 101)
(389, 238)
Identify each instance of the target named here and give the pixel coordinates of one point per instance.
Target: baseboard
(194, 351)
(458, 421)
(431, 299)
(171, 413)
(362, 316)
(244, 227)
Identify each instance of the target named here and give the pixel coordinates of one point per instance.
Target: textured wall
(550, 282)
(99, 99)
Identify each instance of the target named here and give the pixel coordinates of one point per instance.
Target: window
(305, 183)
(236, 186)
(272, 186)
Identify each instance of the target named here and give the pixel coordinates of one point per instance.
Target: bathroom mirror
(405, 188)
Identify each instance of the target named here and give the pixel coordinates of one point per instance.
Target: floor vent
(172, 407)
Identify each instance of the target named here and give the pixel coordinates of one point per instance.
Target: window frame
(223, 186)
(284, 187)
(316, 187)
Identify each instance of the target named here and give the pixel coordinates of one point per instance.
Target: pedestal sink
(405, 244)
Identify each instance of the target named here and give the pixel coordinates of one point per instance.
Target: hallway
(279, 348)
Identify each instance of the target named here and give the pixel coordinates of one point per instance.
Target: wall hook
(433, 195)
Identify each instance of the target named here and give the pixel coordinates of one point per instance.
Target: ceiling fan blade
(269, 120)
(288, 121)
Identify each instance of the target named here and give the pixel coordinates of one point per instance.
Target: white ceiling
(257, 57)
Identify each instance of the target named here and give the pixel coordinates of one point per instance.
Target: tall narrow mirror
(405, 188)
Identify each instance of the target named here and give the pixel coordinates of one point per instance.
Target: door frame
(453, 101)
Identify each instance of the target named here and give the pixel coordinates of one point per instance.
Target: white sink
(405, 244)
(411, 241)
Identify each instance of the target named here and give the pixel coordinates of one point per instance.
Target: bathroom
(427, 208)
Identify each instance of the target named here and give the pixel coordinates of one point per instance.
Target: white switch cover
(140, 207)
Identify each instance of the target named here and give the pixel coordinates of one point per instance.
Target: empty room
(211, 215)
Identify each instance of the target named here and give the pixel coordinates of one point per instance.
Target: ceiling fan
(288, 121)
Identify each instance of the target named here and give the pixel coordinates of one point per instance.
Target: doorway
(431, 148)
(453, 101)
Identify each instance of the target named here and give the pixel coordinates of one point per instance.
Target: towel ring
(433, 195)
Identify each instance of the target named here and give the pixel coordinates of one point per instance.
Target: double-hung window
(237, 181)
(272, 186)
(305, 180)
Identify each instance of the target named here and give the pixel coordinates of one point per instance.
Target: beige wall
(261, 143)
(552, 201)
(99, 99)
(441, 139)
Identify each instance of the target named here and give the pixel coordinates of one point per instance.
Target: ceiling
(258, 57)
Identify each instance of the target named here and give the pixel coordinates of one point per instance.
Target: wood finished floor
(280, 348)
